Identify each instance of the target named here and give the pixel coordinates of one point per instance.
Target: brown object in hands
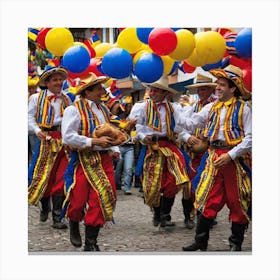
(107, 129)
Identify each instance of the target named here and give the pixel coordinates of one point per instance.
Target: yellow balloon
(185, 45)
(102, 48)
(82, 44)
(58, 40)
(210, 46)
(128, 40)
(168, 63)
(196, 60)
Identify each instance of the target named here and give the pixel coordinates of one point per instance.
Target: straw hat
(50, 71)
(201, 81)
(90, 80)
(234, 74)
(162, 83)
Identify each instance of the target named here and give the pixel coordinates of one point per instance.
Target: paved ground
(133, 231)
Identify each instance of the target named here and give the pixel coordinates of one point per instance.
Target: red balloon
(41, 37)
(162, 41)
(241, 62)
(247, 78)
(188, 68)
(90, 48)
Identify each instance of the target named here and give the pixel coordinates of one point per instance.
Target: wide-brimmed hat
(162, 83)
(201, 81)
(234, 74)
(50, 71)
(89, 80)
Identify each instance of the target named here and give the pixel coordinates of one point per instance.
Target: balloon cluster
(149, 53)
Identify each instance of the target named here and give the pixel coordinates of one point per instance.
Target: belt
(219, 144)
(53, 128)
(160, 138)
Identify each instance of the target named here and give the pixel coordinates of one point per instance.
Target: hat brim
(194, 86)
(99, 80)
(48, 73)
(156, 85)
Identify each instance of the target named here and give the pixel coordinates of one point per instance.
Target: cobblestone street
(132, 232)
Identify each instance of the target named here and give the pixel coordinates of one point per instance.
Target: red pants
(56, 181)
(225, 191)
(168, 183)
(83, 194)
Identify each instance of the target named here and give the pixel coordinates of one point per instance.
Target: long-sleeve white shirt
(70, 126)
(200, 119)
(138, 112)
(32, 110)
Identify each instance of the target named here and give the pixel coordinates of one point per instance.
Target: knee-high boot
(57, 207)
(237, 236)
(187, 209)
(75, 236)
(201, 235)
(46, 208)
(166, 204)
(91, 234)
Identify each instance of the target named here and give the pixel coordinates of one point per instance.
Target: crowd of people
(86, 150)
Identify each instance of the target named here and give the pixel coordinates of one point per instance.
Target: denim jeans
(124, 167)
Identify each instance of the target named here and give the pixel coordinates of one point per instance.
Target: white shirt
(138, 112)
(200, 119)
(32, 110)
(70, 126)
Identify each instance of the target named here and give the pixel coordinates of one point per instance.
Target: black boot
(46, 208)
(156, 218)
(57, 206)
(201, 235)
(75, 236)
(91, 234)
(166, 204)
(188, 208)
(237, 236)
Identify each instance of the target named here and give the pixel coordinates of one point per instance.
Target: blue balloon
(76, 59)
(149, 68)
(208, 67)
(243, 43)
(117, 63)
(143, 34)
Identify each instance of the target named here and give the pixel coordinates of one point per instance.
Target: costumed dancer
(47, 167)
(224, 176)
(90, 185)
(161, 161)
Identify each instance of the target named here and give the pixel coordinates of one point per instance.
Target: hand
(130, 125)
(148, 140)
(42, 135)
(193, 140)
(103, 141)
(115, 156)
(222, 160)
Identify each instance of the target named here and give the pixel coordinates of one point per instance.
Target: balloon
(58, 40)
(95, 66)
(195, 60)
(242, 63)
(90, 48)
(208, 67)
(210, 46)
(138, 55)
(149, 68)
(243, 43)
(143, 34)
(102, 48)
(128, 40)
(42, 36)
(188, 68)
(76, 59)
(162, 41)
(117, 63)
(168, 63)
(185, 45)
(174, 67)
(247, 78)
